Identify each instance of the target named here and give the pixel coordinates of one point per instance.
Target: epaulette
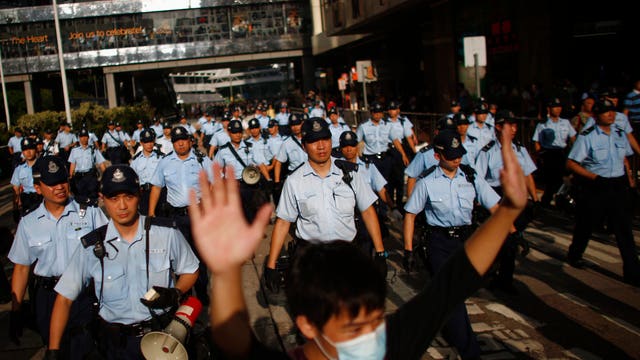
(488, 146)
(469, 172)
(163, 222)
(225, 146)
(345, 165)
(426, 148)
(159, 153)
(426, 173)
(619, 130)
(170, 152)
(472, 138)
(518, 145)
(247, 143)
(93, 237)
(587, 131)
(137, 155)
(296, 169)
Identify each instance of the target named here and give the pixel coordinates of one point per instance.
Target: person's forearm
(634, 143)
(264, 171)
(411, 183)
(154, 196)
(59, 318)
(277, 168)
(370, 219)
(229, 318)
(186, 281)
(485, 243)
(19, 281)
(579, 170)
(531, 187)
(408, 229)
(72, 169)
(384, 196)
(280, 230)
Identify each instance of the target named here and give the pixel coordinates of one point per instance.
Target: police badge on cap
(147, 135)
(315, 129)
(179, 133)
(348, 138)
(119, 179)
(51, 170)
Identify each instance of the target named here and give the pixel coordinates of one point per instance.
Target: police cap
(28, 143)
(179, 133)
(51, 170)
(393, 105)
(315, 129)
(119, 179)
(235, 126)
(226, 116)
(555, 102)
(460, 119)
(254, 124)
(147, 135)
(83, 132)
(481, 109)
(448, 144)
(348, 138)
(166, 125)
(454, 103)
(444, 123)
(333, 110)
(295, 119)
(505, 116)
(376, 107)
(603, 106)
(272, 123)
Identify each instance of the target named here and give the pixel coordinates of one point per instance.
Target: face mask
(370, 346)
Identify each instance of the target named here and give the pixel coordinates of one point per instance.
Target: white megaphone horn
(169, 343)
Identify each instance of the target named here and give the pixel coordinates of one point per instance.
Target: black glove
(167, 297)
(600, 181)
(16, 325)
(380, 261)
(277, 187)
(268, 186)
(408, 262)
(52, 355)
(272, 279)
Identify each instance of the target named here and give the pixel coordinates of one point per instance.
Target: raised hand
(222, 236)
(511, 176)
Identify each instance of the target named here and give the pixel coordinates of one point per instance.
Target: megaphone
(251, 175)
(169, 343)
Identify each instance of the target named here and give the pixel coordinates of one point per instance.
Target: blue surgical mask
(369, 346)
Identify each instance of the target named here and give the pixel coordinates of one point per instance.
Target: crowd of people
(186, 201)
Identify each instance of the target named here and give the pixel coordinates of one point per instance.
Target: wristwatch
(383, 254)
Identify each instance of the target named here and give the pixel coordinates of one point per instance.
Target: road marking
(508, 313)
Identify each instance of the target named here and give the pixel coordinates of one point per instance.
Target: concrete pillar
(112, 97)
(28, 96)
(316, 17)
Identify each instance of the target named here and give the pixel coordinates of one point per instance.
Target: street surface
(559, 312)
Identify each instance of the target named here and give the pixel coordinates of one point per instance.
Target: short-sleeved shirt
(145, 166)
(264, 121)
(323, 208)
(261, 152)
(125, 276)
(423, 160)
(274, 143)
(136, 135)
(157, 129)
(166, 146)
(282, 118)
(49, 148)
(317, 112)
(621, 121)
(85, 158)
(470, 144)
(114, 138)
(449, 201)
(65, 139)
(489, 162)
(15, 144)
(377, 137)
(371, 175)
(211, 127)
(190, 129)
(23, 176)
(291, 151)
(553, 134)
(601, 153)
(180, 176)
(404, 125)
(220, 138)
(484, 134)
(336, 131)
(52, 241)
(225, 157)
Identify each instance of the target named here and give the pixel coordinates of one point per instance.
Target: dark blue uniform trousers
(457, 330)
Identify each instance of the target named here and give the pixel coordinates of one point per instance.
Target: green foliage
(42, 120)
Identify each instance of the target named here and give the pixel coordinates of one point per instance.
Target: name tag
(157, 251)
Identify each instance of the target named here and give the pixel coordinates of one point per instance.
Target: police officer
(124, 264)
(454, 108)
(447, 193)
(291, 153)
(337, 128)
(551, 139)
(222, 136)
(186, 125)
(260, 149)
(241, 155)
(178, 173)
(114, 143)
(14, 147)
(378, 137)
(50, 147)
(400, 154)
(479, 129)
(135, 137)
(48, 237)
(317, 110)
(144, 164)
(409, 137)
(83, 161)
(469, 142)
(488, 165)
(209, 127)
(25, 199)
(597, 160)
(282, 119)
(164, 140)
(157, 126)
(321, 198)
(66, 140)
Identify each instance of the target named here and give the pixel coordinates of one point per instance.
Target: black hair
(327, 279)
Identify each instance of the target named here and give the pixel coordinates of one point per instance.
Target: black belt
(46, 282)
(83, 173)
(182, 211)
(453, 232)
(379, 155)
(146, 187)
(137, 329)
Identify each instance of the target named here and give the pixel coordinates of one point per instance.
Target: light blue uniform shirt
(274, 143)
(403, 124)
(125, 278)
(484, 134)
(15, 144)
(23, 176)
(225, 157)
(166, 146)
(282, 118)
(371, 175)
(377, 137)
(421, 162)
(292, 152)
(489, 163)
(323, 208)
(85, 158)
(145, 166)
(449, 202)
(336, 131)
(65, 139)
(190, 129)
(52, 241)
(261, 152)
(114, 138)
(621, 121)
(220, 138)
(211, 127)
(600, 153)
(158, 130)
(136, 135)
(317, 112)
(264, 121)
(560, 131)
(180, 176)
